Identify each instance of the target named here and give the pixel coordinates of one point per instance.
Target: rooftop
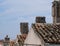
(50, 33)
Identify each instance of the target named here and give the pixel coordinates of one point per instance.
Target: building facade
(6, 41)
(42, 34)
(1, 42)
(56, 11)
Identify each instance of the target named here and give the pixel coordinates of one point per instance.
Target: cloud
(12, 12)
(26, 8)
(23, 7)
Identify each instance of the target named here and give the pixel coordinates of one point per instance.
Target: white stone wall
(32, 38)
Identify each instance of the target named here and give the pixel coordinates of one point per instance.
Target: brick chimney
(40, 20)
(24, 28)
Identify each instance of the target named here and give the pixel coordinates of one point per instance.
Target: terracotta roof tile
(49, 32)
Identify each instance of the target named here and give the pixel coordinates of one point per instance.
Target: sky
(12, 12)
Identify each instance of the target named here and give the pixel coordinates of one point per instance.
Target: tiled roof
(1, 40)
(50, 33)
(22, 37)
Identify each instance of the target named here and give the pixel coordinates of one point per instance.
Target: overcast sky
(12, 12)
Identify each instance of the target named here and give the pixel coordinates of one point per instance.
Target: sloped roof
(50, 33)
(22, 37)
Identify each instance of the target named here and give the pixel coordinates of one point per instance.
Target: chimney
(24, 28)
(56, 11)
(7, 38)
(40, 20)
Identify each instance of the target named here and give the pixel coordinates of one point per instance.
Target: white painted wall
(32, 38)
